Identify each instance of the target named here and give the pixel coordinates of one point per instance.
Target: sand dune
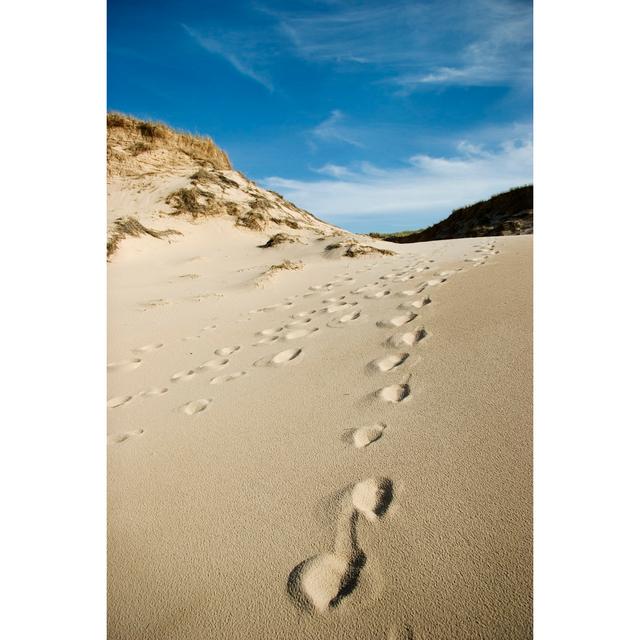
(273, 477)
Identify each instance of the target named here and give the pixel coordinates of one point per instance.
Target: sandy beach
(341, 450)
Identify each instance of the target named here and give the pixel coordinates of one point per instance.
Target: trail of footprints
(297, 329)
(322, 581)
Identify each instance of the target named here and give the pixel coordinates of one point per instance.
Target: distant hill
(506, 214)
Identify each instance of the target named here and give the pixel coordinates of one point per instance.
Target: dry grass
(198, 203)
(223, 181)
(279, 238)
(202, 149)
(202, 175)
(257, 218)
(287, 265)
(139, 147)
(123, 227)
(356, 250)
(274, 269)
(187, 200)
(292, 224)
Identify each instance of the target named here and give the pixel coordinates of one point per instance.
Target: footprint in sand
(400, 632)
(269, 332)
(183, 376)
(281, 358)
(330, 300)
(372, 497)
(387, 363)
(119, 438)
(118, 401)
(228, 378)
(226, 351)
(407, 339)
(413, 292)
(154, 392)
(394, 393)
(296, 323)
(124, 365)
(342, 321)
(321, 582)
(434, 282)
(397, 321)
(214, 363)
(154, 304)
(304, 314)
(364, 436)
(148, 347)
(266, 340)
(416, 304)
(377, 294)
(210, 327)
(340, 306)
(195, 406)
(299, 333)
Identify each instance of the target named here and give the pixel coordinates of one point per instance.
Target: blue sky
(372, 115)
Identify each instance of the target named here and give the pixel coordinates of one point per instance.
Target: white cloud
(426, 185)
(333, 129)
(334, 170)
(473, 43)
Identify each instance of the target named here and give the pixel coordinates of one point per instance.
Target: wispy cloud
(335, 171)
(239, 55)
(427, 185)
(334, 129)
(417, 44)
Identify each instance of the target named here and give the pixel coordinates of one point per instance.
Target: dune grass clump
(201, 175)
(257, 218)
(278, 239)
(202, 149)
(292, 224)
(186, 200)
(356, 250)
(123, 227)
(139, 147)
(287, 265)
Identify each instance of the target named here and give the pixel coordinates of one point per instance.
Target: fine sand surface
(338, 451)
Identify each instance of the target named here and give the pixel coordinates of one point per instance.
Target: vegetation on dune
(508, 213)
(123, 227)
(154, 135)
(257, 217)
(287, 265)
(278, 239)
(356, 250)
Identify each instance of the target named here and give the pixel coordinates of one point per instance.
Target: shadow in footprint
(373, 497)
(363, 436)
(323, 581)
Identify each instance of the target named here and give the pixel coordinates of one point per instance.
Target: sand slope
(339, 451)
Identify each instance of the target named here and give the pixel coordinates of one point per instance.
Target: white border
(586, 324)
(54, 320)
